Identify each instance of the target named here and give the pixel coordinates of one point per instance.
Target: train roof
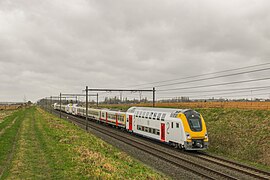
(165, 110)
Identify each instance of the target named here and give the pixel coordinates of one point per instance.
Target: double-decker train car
(115, 118)
(80, 111)
(94, 113)
(182, 128)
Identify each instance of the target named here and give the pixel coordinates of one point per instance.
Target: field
(9, 107)
(36, 145)
(239, 105)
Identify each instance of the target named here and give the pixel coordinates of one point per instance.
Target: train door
(116, 119)
(130, 122)
(162, 132)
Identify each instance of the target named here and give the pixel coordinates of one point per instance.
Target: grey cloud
(52, 46)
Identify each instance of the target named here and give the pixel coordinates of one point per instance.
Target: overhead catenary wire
(198, 97)
(216, 77)
(220, 90)
(217, 84)
(170, 90)
(234, 90)
(219, 94)
(187, 77)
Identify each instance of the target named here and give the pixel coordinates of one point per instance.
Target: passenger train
(181, 128)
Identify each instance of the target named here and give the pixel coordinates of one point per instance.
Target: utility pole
(51, 104)
(154, 91)
(46, 100)
(60, 105)
(97, 99)
(86, 102)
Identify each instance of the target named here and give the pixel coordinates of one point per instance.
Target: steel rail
(256, 173)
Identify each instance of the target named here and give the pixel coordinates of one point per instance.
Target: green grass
(243, 135)
(8, 133)
(51, 148)
(5, 113)
(5, 118)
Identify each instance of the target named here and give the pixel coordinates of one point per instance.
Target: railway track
(253, 172)
(198, 164)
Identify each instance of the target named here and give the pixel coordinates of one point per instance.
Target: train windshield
(194, 120)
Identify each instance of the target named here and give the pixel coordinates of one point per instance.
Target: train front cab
(196, 137)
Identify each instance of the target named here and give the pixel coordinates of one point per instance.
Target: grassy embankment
(239, 134)
(36, 145)
(243, 135)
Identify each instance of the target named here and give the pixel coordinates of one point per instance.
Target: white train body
(183, 128)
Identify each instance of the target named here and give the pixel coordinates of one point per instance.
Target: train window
(172, 124)
(163, 117)
(194, 120)
(155, 115)
(154, 131)
(146, 129)
(158, 117)
(150, 115)
(140, 115)
(142, 128)
(146, 116)
(157, 132)
(143, 114)
(177, 125)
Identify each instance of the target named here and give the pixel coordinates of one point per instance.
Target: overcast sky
(47, 47)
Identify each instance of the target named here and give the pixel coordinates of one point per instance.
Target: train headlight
(188, 136)
(206, 136)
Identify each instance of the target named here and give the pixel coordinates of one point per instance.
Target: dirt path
(8, 126)
(4, 114)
